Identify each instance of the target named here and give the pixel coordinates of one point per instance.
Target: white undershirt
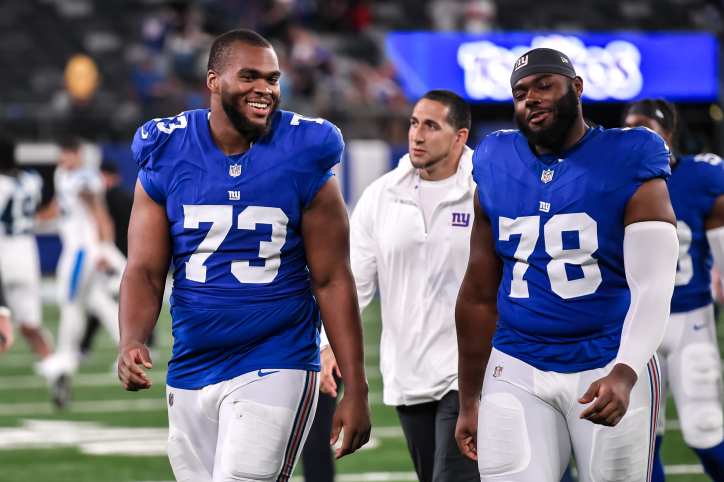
(431, 194)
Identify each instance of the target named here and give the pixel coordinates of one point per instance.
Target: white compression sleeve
(716, 245)
(650, 252)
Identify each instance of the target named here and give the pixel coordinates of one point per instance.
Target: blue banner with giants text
(615, 67)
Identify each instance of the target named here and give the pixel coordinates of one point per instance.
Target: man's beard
(564, 112)
(241, 123)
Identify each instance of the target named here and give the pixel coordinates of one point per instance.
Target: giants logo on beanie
(542, 61)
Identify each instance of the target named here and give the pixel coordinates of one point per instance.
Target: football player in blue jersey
(689, 354)
(240, 198)
(566, 296)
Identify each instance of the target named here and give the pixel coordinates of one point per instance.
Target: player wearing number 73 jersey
(241, 198)
(571, 270)
(689, 354)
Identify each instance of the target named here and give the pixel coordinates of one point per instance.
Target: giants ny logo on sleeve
(461, 219)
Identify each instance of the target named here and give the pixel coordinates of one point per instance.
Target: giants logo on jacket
(461, 219)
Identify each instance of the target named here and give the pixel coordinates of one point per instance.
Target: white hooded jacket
(418, 270)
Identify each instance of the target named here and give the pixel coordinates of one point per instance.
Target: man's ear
(212, 81)
(463, 134)
(578, 85)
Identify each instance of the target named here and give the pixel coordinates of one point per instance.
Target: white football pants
(82, 289)
(691, 369)
(20, 268)
(249, 428)
(529, 422)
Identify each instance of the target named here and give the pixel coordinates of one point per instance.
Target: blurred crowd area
(100, 67)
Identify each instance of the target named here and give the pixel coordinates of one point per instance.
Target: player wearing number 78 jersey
(571, 270)
(689, 354)
(241, 200)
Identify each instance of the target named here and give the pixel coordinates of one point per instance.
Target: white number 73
(221, 219)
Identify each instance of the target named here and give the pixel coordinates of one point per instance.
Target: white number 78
(528, 227)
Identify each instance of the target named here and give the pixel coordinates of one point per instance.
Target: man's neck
(575, 134)
(225, 136)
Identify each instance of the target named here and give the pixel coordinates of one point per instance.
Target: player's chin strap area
(650, 252)
(716, 244)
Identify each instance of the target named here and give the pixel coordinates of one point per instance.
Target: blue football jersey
(241, 297)
(696, 182)
(558, 226)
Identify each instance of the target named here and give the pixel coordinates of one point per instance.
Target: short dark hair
(7, 155)
(69, 143)
(458, 110)
(222, 43)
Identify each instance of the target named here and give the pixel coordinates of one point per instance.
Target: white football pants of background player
(529, 420)
(249, 428)
(20, 267)
(691, 369)
(82, 288)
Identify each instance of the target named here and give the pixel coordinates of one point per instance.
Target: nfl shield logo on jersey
(546, 176)
(235, 170)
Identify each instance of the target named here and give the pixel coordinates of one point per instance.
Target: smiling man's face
(546, 106)
(249, 88)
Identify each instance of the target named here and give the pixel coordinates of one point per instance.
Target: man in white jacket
(410, 234)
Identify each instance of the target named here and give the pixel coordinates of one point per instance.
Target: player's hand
(327, 383)
(6, 333)
(131, 357)
(611, 394)
(102, 264)
(466, 432)
(352, 416)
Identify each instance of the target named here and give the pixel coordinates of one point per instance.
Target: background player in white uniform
(86, 232)
(20, 195)
(689, 354)
(572, 263)
(6, 327)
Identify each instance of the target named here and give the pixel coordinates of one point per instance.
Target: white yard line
(83, 380)
(683, 469)
(86, 406)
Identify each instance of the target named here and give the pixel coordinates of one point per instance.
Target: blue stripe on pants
(76, 274)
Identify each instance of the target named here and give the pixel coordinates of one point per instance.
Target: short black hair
(69, 143)
(458, 110)
(7, 155)
(222, 43)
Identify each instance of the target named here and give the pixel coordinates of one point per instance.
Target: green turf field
(112, 436)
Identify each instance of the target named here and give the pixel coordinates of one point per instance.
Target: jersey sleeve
(714, 173)
(146, 149)
(322, 157)
(482, 174)
(653, 156)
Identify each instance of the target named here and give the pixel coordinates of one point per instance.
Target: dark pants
(430, 432)
(317, 457)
